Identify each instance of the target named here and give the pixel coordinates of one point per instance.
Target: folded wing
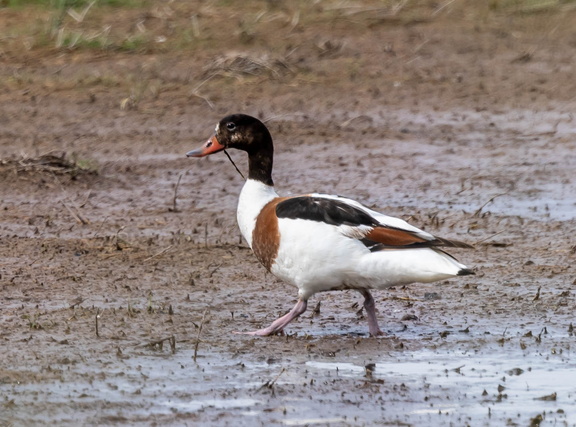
(375, 230)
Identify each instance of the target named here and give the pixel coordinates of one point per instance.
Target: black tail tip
(465, 272)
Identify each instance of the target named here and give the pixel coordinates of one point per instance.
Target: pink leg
(278, 325)
(370, 308)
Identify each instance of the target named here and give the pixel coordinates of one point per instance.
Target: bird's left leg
(370, 308)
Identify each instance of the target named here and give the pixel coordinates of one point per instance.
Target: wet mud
(123, 275)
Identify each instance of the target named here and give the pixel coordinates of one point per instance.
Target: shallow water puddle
(196, 405)
(438, 387)
(473, 387)
(314, 421)
(526, 181)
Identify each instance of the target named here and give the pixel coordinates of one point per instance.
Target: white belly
(316, 257)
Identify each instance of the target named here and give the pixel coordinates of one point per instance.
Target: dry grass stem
(477, 213)
(174, 207)
(238, 65)
(158, 253)
(198, 335)
(76, 215)
(79, 17)
(96, 322)
(270, 383)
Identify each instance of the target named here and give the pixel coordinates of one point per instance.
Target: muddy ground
(123, 274)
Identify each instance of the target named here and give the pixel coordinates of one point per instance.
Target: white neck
(253, 197)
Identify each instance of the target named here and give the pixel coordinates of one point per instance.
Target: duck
(319, 242)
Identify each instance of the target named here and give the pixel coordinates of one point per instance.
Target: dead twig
(79, 301)
(489, 237)
(477, 213)
(270, 383)
(96, 322)
(537, 296)
(76, 215)
(174, 207)
(198, 335)
(81, 205)
(214, 270)
(158, 253)
(100, 227)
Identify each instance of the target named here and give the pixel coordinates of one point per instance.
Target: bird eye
(231, 126)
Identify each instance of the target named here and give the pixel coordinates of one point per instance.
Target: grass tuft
(51, 163)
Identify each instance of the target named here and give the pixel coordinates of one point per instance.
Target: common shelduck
(320, 242)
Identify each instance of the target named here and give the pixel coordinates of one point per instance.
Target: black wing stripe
(330, 211)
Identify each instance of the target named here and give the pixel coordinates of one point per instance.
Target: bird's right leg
(279, 324)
